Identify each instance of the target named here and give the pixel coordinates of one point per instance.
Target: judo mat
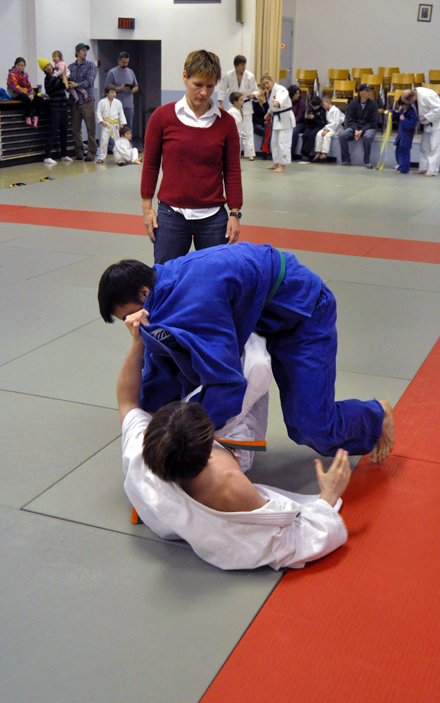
(363, 624)
(329, 242)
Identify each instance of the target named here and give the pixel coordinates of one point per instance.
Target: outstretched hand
(134, 321)
(333, 482)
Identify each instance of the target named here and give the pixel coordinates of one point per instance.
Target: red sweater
(195, 161)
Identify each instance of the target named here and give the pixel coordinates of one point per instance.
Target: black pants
(58, 121)
(308, 144)
(36, 103)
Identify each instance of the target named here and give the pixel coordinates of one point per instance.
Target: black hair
(316, 101)
(239, 59)
(121, 283)
(293, 89)
(124, 129)
(124, 55)
(178, 441)
(19, 59)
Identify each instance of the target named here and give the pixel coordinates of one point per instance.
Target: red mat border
(304, 240)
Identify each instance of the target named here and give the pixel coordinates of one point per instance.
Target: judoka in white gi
(123, 152)
(428, 103)
(201, 495)
(110, 115)
(283, 122)
(239, 80)
(236, 100)
(335, 121)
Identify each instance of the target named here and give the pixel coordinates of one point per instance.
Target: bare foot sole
(279, 169)
(386, 442)
(271, 168)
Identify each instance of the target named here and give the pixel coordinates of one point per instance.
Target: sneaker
(66, 158)
(50, 161)
(80, 158)
(89, 158)
(346, 163)
(369, 166)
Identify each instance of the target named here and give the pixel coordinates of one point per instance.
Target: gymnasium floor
(95, 609)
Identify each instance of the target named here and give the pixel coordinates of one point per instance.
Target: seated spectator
(123, 152)
(360, 123)
(299, 110)
(19, 88)
(316, 119)
(260, 107)
(408, 119)
(335, 120)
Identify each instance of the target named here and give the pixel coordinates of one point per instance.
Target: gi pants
(248, 136)
(322, 144)
(281, 145)
(106, 133)
(430, 152)
(403, 158)
(304, 368)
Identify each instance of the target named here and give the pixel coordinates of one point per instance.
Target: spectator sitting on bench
(335, 120)
(299, 110)
(316, 120)
(360, 123)
(19, 88)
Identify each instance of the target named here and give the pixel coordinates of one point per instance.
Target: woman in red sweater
(198, 145)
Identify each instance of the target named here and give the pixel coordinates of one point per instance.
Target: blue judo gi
(405, 135)
(202, 309)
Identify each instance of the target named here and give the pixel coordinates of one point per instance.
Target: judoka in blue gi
(202, 309)
(408, 119)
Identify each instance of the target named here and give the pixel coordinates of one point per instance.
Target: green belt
(279, 279)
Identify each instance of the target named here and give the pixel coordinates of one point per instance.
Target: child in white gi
(110, 114)
(237, 100)
(62, 71)
(123, 153)
(335, 121)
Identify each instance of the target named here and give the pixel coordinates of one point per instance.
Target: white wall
(352, 33)
(17, 19)
(181, 28)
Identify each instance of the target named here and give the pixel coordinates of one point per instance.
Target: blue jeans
(348, 136)
(174, 233)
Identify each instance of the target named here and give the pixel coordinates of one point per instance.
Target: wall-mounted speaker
(239, 11)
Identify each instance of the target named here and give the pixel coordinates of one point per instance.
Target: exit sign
(126, 22)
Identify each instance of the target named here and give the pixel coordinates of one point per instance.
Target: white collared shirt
(190, 119)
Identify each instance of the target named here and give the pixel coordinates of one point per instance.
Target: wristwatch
(235, 214)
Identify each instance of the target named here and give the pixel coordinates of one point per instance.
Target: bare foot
(251, 158)
(271, 168)
(386, 442)
(280, 169)
(419, 171)
(429, 175)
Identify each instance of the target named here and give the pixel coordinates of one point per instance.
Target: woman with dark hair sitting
(19, 88)
(299, 110)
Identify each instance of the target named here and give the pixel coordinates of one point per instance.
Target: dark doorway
(145, 61)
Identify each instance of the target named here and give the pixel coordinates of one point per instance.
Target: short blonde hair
(203, 63)
(266, 77)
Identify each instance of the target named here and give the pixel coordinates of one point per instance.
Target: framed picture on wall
(425, 13)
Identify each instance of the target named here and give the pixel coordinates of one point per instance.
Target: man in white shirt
(428, 103)
(194, 489)
(239, 80)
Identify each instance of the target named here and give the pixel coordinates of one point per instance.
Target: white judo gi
(123, 152)
(229, 84)
(239, 121)
(112, 113)
(288, 531)
(428, 103)
(283, 122)
(335, 121)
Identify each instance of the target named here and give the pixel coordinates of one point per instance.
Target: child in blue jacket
(403, 142)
